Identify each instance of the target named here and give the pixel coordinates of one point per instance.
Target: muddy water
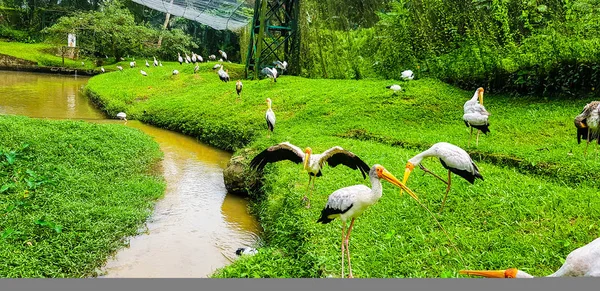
(195, 228)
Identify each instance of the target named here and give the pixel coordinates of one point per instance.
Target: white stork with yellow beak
(453, 158)
(351, 202)
(582, 262)
(312, 163)
(475, 115)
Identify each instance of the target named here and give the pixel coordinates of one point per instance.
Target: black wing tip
(324, 220)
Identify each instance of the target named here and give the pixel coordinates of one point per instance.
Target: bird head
(308, 152)
(480, 94)
(382, 173)
(508, 273)
(409, 168)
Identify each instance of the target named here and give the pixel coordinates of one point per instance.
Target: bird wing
(276, 153)
(340, 201)
(454, 157)
(337, 155)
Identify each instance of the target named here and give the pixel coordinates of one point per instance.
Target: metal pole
(259, 39)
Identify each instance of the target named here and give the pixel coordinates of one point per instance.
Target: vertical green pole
(259, 39)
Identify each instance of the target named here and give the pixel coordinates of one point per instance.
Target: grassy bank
(70, 192)
(40, 53)
(534, 207)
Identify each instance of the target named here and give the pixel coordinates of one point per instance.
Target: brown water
(195, 228)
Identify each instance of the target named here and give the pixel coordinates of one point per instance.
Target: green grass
(535, 206)
(69, 193)
(38, 52)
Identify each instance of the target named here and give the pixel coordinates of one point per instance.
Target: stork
(588, 123)
(270, 117)
(312, 163)
(238, 87)
(102, 69)
(246, 251)
(212, 57)
(175, 72)
(194, 60)
(179, 59)
(270, 72)
(223, 75)
(147, 65)
(453, 158)
(82, 64)
(216, 66)
(407, 75)
(132, 64)
(200, 58)
(160, 64)
(281, 66)
(120, 68)
(394, 88)
(196, 68)
(582, 262)
(122, 116)
(187, 58)
(475, 115)
(143, 73)
(223, 54)
(351, 202)
(155, 62)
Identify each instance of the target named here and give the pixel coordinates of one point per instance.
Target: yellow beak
(390, 178)
(306, 159)
(484, 273)
(481, 98)
(406, 175)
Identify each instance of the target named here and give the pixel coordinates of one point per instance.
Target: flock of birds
(348, 203)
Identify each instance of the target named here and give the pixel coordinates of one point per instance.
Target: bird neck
(376, 189)
(269, 105)
(418, 158)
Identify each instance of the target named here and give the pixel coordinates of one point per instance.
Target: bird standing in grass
(588, 123)
(194, 59)
(143, 73)
(270, 72)
(270, 117)
(132, 64)
(223, 75)
(453, 158)
(475, 115)
(175, 72)
(147, 64)
(407, 75)
(582, 262)
(122, 116)
(312, 163)
(238, 87)
(216, 66)
(102, 69)
(223, 54)
(351, 202)
(120, 68)
(196, 68)
(394, 88)
(187, 58)
(155, 62)
(179, 59)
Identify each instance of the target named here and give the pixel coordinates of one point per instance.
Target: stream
(195, 228)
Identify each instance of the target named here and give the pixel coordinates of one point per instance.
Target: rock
(238, 177)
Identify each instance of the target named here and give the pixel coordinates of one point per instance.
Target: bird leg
(343, 239)
(447, 190)
(348, 248)
(432, 173)
(477, 144)
(470, 137)
(588, 143)
(307, 188)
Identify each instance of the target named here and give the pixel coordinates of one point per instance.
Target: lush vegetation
(536, 205)
(542, 47)
(43, 54)
(69, 193)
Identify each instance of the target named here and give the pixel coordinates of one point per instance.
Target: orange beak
(409, 168)
(390, 178)
(510, 273)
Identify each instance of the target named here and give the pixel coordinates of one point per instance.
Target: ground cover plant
(69, 193)
(42, 53)
(535, 206)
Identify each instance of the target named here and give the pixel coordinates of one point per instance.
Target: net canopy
(218, 14)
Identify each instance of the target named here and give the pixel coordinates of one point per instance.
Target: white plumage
(122, 116)
(179, 58)
(223, 75)
(194, 59)
(175, 72)
(212, 57)
(143, 73)
(238, 87)
(223, 54)
(216, 66)
(132, 64)
(270, 116)
(582, 262)
(246, 251)
(453, 158)
(155, 62)
(407, 75)
(120, 68)
(475, 115)
(351, 202)
(270, 73)
(187, 58)
(147, 64)
(102, 69)
(196, 68)
(394, 87)
(588, 123)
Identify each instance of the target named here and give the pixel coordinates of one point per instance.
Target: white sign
(72, 40)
